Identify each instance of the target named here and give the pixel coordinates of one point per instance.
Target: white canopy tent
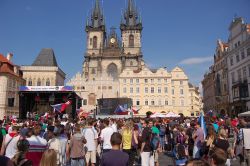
(158, 115)
(172, 115)
(244, 114)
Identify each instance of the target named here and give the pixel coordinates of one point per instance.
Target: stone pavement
(165, 160)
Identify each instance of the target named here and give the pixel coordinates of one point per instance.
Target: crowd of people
(51, 141)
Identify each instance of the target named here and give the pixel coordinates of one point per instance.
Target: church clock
(112, 40)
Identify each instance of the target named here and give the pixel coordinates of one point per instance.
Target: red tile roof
(6, 66)
(4, 59)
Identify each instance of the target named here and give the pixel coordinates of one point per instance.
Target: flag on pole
(202, 122)
(61, 107)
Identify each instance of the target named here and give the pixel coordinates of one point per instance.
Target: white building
(238, 61)
(44, 71)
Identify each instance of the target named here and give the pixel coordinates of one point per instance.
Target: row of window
(152, 90)
(38, 83)
(159, 80)
(239, 56)
(99, 87)
(160, 103)
(241, 74)
(93, 41)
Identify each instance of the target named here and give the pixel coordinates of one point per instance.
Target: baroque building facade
(108, 60)
(239, 66)
(226, 86)
(160, 91)
(11, 77)
(44, 71)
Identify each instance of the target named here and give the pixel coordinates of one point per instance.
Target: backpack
(154, 141)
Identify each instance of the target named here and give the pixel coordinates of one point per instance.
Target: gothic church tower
(96, 34)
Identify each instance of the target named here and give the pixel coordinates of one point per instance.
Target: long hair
(49, 158)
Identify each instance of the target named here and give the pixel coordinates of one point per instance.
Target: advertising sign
(45, 88)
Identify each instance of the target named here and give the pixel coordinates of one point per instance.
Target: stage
(40, 98)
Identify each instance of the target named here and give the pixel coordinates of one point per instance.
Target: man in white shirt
(9, 145)
(91, 136)
(113, 125)
(54, 142)
(106, 135)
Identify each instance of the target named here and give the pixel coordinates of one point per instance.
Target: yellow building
(159, 90)
(195, 100)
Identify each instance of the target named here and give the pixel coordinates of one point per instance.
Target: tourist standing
(37, 146)
(198, 137)
(127, 134)
(9, 146)
(106, 135)
(90, 134)
(76, 148)
(146, 156)
(54, 142)
(115, 157)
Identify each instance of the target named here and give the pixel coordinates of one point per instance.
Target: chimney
(9, 56)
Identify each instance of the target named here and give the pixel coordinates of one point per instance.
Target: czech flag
(121, 111)
(61, 107)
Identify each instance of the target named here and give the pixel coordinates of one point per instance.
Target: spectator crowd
(51, 141)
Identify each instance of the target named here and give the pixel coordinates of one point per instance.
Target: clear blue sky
(175, 31)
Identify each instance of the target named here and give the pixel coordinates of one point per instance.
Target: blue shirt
(216, 127)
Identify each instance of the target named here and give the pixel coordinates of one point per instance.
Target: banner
(45, 88)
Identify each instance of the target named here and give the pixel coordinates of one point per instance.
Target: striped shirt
(37, 146)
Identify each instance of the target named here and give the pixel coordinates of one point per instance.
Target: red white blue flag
(61, 107)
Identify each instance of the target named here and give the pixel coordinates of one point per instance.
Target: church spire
(131, 16)
(97, 18)
(97, 10)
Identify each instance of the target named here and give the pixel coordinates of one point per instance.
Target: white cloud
(196, 60)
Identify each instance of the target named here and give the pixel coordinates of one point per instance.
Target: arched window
(93, 71)
(30, 82)
(39, 83)
(94, 42)
(131, 40)
(112, 70)
(47, 82)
